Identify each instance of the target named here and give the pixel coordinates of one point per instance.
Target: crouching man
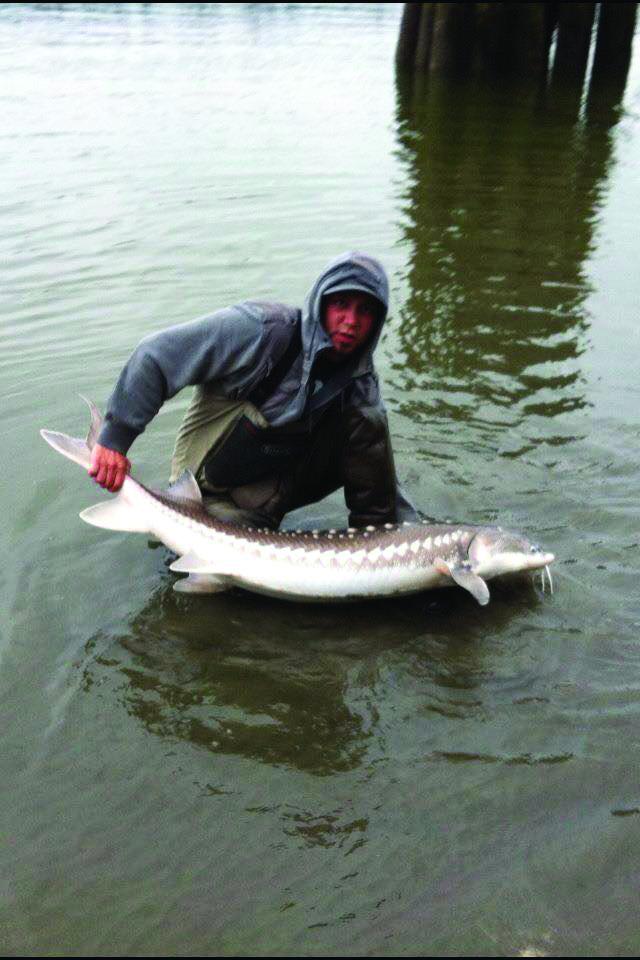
(286, 407)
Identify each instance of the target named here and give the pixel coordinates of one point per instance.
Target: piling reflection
(504, 190)
(299, 686)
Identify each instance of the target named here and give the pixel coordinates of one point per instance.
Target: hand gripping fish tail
(316, 566)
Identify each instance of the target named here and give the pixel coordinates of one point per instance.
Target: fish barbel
(352, 564)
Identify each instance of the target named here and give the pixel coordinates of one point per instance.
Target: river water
(234, 775)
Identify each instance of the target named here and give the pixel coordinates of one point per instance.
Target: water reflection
(308, 687)
(325, 829)
(505, 186)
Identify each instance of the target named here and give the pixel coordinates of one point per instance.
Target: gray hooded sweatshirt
(232, 351)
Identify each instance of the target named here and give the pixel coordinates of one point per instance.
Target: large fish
(386, 561)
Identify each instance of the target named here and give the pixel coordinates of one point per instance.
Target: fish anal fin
(192, 563)
(184, 488)
(200, 583)
(465, 578)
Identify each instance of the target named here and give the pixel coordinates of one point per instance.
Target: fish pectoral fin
(465, 578)
(192, 563)
(200, 583)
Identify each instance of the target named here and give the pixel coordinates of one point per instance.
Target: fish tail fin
(116, 514)
(96, 423)
(74, 448)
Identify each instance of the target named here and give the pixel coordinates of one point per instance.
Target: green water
(230, 774)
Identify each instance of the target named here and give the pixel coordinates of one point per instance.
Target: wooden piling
(511, 39)
(575, 22)
(452, 39)
(408, 36)
(614, 40)
(425, 35)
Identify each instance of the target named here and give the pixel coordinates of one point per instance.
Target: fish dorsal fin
(464, 576)
(185, 488)
(96, 423)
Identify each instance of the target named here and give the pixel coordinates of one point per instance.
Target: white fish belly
(308, 580)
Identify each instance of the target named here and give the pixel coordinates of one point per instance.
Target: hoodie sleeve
(218, 347)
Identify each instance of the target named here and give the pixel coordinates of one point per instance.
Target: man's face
(349, 317)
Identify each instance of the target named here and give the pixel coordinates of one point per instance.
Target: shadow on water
(503, 197)
(298, 685)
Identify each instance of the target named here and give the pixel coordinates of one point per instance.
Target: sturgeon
(352, 564)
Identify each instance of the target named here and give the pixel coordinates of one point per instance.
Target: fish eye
(535, 549)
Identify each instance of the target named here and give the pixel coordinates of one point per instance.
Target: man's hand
(108, 468)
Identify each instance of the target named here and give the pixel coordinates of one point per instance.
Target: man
(286, 407)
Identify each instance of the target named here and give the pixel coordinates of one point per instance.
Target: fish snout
(539, 560)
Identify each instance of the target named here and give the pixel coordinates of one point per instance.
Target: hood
(349, 271)
(291, 401)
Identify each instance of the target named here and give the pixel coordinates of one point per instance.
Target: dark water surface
(232, 775)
